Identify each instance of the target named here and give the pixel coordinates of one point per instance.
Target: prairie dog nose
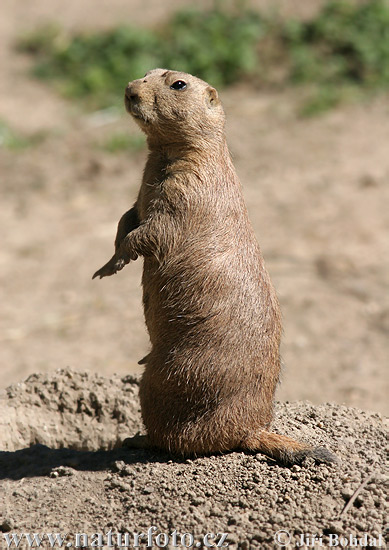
(131, 92)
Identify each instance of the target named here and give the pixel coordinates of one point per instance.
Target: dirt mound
(82, 411)
(63, 484)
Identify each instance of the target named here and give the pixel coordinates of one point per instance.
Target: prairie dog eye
(178, 85)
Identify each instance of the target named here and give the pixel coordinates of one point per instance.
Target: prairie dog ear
(212, 97)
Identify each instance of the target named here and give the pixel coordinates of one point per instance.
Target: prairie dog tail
(285, 449)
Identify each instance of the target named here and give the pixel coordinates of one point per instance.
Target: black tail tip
(320, 455)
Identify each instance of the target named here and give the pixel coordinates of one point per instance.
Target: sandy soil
(249, 497)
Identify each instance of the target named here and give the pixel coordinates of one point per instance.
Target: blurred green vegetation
(345, 48)
(217, 45)
(342, 51)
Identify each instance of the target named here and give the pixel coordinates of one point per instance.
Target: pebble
(6, 525)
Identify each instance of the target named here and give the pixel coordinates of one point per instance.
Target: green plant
(91, 66)
(217, 45)
(346, 45)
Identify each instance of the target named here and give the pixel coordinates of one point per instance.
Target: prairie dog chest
(151, 190)
(149, 195)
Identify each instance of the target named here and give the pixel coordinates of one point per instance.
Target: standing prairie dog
(210, 307)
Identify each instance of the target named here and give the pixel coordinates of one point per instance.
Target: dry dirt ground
(317, 191)
(88, 487)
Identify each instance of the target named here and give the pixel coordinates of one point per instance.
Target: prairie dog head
(175, 107)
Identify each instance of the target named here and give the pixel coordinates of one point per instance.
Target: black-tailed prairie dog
(210, 307)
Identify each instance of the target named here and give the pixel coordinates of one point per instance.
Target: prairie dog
(210, 308)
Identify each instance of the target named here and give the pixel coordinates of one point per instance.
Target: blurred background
(305, 88)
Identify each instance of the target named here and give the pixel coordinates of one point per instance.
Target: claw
(110, 268)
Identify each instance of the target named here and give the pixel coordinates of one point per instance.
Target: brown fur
(210, 308)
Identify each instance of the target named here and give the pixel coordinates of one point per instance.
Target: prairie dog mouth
(133, 107)
(128, 104)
